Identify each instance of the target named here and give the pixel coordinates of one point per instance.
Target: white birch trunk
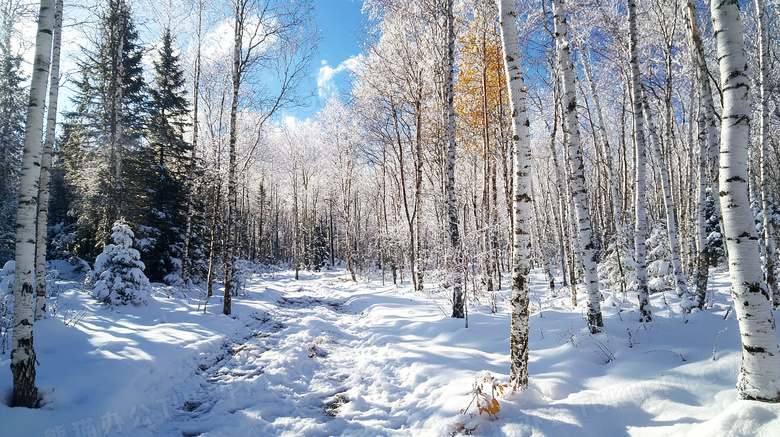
(680, 282)
(766, 152)
(43, 184)
(759, 377)
(640, 231)
(708, 141)
(571, 131)
(231, 192)
(521, 157)
(458, 307)
(25, 394)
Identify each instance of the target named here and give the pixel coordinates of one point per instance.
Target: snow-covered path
(287, 372)
(324, 360)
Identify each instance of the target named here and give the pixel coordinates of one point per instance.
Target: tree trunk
(708, 141)
(458, 304)
(579, 193)
(759, 377)
(418, 179)
(232, 199)
(410, 213)
(521, 157)
(766, 153)
(25, 394)
(640, 231)
(43, 184)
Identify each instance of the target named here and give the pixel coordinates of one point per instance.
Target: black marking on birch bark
(753, 349)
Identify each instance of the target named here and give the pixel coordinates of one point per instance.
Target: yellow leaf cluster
(480, 92)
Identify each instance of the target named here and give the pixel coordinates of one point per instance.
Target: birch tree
(458, 305)
(579, 191)
(522, 199)
(43, 184)
(766, 151)
(759, 376)
(640, 229)
(236, 78)
(708, 141)
(25, 393)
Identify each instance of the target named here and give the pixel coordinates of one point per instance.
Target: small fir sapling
(118, 276)
(659, 267)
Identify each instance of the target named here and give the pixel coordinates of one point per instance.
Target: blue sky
(339, 22)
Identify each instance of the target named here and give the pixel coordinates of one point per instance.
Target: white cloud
(326, 77)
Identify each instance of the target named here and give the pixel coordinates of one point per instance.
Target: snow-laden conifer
(118, 275)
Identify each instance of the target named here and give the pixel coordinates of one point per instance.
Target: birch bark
(25, 394)
(640, 230)
(522, 203)
(759, 377)
(571, 131)
(458, 306)
(766, 151)
(43, 184)
(231, 192)
(708, 142)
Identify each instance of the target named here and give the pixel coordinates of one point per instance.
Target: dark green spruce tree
(104, 159)
(169, 157)
(12, 116)
(13, 109)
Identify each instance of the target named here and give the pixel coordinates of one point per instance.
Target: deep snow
(323, 356)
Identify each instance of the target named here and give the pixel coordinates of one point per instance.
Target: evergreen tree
(317, 254)
(119, 276)
(105, 157)
(12, 114)
(169, 108)
(167, 189)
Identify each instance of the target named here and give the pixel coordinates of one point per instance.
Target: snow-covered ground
(322, 356)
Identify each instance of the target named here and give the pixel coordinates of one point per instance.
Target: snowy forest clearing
(324, 356)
